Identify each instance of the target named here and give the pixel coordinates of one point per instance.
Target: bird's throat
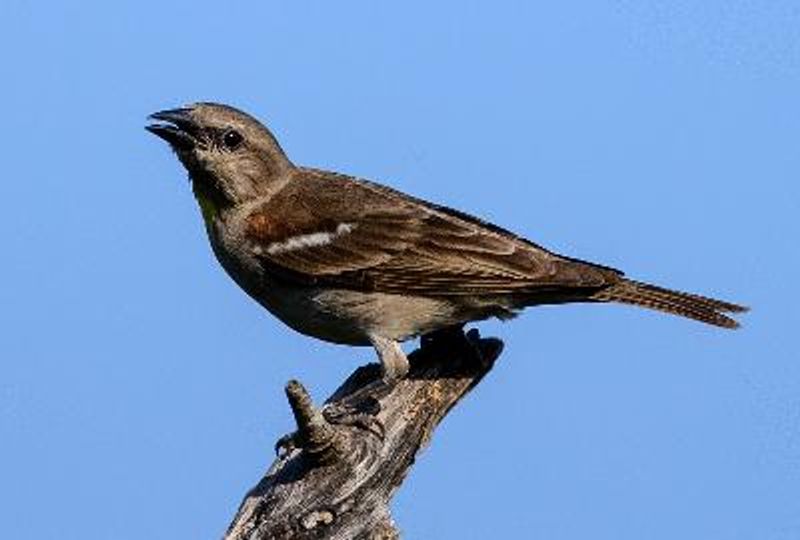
(208, 206)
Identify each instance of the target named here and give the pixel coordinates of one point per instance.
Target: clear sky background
(141, 392)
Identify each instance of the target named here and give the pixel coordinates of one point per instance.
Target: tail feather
(693, 306)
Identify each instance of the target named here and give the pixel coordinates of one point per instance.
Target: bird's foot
(358, 408)
(288, 443)
(453, 338)
(473, 344)
(359, 414)
(361, 407)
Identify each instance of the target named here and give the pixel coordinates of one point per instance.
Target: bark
(337, 474)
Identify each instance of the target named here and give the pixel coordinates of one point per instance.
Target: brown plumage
(693, 306)
(351, 261)
(441, 252)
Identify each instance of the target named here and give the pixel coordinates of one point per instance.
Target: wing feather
(398, 244)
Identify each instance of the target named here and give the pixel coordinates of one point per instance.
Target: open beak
(176, 127)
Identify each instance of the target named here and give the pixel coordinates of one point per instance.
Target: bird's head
(230, 156)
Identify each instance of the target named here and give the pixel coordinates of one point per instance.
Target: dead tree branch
(338, 472)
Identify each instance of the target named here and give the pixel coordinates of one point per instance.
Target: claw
(360, 408)
(287, 444)
(343, 415)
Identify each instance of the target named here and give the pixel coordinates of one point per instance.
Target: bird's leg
(393, 360)
(362, 406)
(394, 366)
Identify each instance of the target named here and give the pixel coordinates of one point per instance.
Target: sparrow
(354, 262)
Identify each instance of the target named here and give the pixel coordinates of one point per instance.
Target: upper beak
(176, 127)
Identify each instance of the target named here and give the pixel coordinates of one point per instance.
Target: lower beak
(176, 127)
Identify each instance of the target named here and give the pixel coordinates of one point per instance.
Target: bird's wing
(329, 229)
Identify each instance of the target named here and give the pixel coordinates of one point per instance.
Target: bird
(350, 261)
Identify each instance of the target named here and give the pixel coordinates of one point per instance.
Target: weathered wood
(349, 458)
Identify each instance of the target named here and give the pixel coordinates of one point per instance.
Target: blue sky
(141, 391)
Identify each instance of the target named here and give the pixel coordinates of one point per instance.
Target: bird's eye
(232, 139)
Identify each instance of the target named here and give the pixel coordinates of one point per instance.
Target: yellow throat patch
(207, 206)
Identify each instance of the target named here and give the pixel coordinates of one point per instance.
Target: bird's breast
(331, 314)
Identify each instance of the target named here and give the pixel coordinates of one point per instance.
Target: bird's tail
(693, 306)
